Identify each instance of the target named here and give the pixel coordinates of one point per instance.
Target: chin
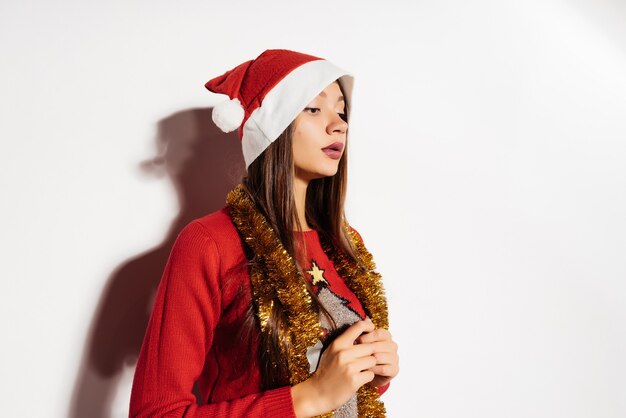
(329, 174)
(318, 174)
(320, 170)
(329, 171)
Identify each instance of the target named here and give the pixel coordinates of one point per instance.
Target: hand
(343, 368)
(386, 353)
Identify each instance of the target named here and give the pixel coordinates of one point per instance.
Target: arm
(186, 311)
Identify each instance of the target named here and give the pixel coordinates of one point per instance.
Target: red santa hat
(267, 93)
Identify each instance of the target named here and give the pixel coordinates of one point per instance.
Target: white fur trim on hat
(286, 100)
(228, 114)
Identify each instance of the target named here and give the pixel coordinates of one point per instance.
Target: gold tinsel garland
(280, 279)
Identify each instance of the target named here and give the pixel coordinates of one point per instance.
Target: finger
(352, 333)
(384, 347)
(386, 370)
(364, 377)
(385, 358)
(379, 334)
(362, 364)
(357, 351)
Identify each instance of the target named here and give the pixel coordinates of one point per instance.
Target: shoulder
(218, 230)
(217, 224)
(357, 233)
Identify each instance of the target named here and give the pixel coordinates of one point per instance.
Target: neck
(300, 187)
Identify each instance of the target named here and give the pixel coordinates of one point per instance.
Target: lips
(336, 146)
(333, 150)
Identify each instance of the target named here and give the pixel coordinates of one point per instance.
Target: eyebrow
(340, 99)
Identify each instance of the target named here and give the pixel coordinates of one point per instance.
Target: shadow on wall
(204, 164)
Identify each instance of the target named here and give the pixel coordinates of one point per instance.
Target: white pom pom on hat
(267, 93)
(228, 115)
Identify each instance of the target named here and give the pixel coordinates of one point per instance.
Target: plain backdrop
(487, 176)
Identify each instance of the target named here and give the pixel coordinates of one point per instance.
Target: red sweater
(192, 335)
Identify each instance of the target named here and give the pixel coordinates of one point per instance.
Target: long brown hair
(269, 183)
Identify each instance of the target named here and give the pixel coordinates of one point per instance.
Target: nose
(337, 125)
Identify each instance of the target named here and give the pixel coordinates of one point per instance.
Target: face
(319, 136)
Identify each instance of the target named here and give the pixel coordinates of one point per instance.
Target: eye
(343, 116)
(313, 108)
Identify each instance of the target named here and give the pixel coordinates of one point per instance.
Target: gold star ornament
(317, 273)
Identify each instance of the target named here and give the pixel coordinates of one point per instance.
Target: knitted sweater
(194, 361)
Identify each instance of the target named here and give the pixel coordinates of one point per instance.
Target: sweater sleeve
(382, 389)
(180, 332)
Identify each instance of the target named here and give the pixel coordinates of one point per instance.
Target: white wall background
(488, 178)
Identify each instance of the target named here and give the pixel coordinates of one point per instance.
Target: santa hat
(267, 93)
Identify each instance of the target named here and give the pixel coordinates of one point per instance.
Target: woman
(271, 307)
